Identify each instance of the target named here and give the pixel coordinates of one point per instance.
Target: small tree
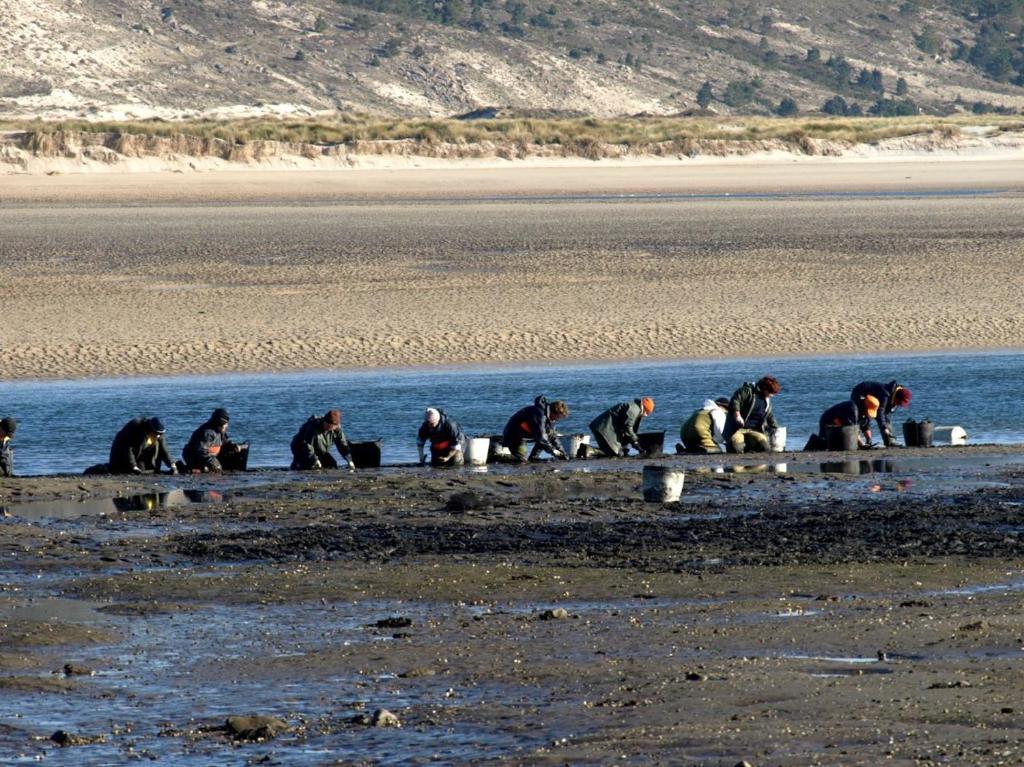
(705, 95)
(320, 25)
(835, 106)
(901, 87)
(813, 56)
(787, 107)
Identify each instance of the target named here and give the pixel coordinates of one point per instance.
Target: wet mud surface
(834, 610)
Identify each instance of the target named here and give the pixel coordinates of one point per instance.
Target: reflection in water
(882, 466)
(69, 509)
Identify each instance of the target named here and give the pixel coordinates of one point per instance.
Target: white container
(778, 439)
(572, 443)
(950, 435)
(476, 451)
(662, 484)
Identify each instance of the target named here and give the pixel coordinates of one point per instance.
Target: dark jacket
(617, 426)
(132, 449)
(311, 443)
(6, 458)
(743, 401)
(531, 423)
(842, 414)
(884, 394)
(443, 437)
(203, 447)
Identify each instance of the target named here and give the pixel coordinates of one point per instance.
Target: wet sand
(544, 615)
(144, 274)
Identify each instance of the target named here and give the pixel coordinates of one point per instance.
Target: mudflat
(863, 608)
(111, 274)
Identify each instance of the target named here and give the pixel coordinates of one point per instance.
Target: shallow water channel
(974, 390)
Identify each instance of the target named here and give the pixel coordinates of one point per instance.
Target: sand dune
(110, 288)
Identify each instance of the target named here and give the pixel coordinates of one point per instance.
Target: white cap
(433, 416)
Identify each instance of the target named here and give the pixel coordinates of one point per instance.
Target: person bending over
(311, 445)
(890, 396)
(445, 437)
(535, 423)
(615, 430)
(140, 448)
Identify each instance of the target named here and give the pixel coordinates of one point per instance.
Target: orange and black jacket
(203, 447)
(443, 437)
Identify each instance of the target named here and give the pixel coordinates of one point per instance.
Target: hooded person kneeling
(208, 443)
(849, 413)
(615, 430)
(703, 432)
(311, 445)
(445, 437)
(140, 448)
(535, 423)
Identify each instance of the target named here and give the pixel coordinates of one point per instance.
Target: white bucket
(950, 435)
(476, 451)
(572, 443)
(778, 439)
(662, 484)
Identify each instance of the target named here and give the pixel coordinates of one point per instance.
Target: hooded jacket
(743, 401)
(447, 435)
(311, 441)
(132, 443)
(617, 426)
(531, 423)
(709, 419)
(204, 446)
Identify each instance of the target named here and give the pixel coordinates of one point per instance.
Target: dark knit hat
(9, 425)
(220, 415)
(156, 425)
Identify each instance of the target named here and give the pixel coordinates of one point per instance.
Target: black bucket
(843, 437)
(925, 433)
(651, 442)
(366, 455)
(919, 433)
(910, 434)
(234, 456)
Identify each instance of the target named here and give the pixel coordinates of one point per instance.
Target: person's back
(702, 432)
(615, 430)
(139, 447)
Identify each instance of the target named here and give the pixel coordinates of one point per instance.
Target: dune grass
(635, 133)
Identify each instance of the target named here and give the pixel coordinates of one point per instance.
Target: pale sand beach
(129, 274)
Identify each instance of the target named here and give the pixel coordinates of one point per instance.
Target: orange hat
(333, 418)
(871, 405)
(648, 405)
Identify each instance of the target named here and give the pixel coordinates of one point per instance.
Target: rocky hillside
(131, 59)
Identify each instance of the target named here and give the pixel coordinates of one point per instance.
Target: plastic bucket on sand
(663, 484)
(477, 450)
(950, 435)
(778, 439)
(573, 442)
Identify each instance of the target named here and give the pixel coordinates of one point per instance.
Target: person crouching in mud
(890, 396)
(751, 418)
(206, 444)
(140, 448)
(615, 430)
(848, 413)
(7, 428)
(703, 431)
(311, 445)
(535, 423)
(445, 437)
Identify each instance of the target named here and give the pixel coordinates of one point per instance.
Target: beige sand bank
(139, 273)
